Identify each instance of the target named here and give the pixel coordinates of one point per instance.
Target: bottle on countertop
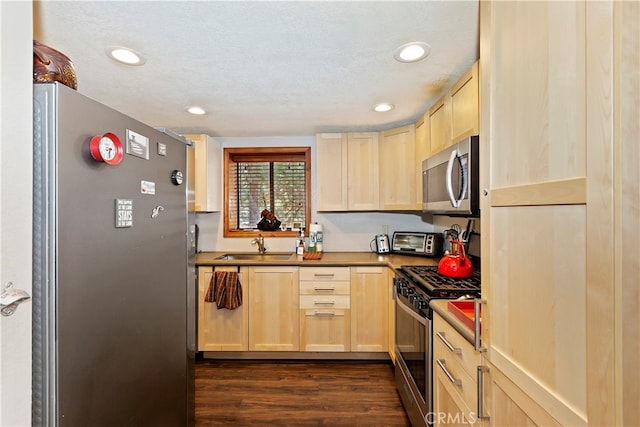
(300, 243)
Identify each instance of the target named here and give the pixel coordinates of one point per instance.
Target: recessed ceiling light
(412, 52)
(125, 55)
(383, 107)
(198, 111)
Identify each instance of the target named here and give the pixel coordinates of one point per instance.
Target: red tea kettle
(455, 263)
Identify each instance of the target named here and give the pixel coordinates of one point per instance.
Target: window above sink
(273, 179)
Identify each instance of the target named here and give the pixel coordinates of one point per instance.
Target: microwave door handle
(452, 197)
(465, 174)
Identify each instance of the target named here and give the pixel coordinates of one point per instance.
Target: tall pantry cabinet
(559, 107)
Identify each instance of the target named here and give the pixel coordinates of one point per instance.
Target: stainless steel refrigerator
(113, 256)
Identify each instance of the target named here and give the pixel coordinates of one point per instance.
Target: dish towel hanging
(225, 290)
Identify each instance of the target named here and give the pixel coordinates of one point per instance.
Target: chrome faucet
(260, 242)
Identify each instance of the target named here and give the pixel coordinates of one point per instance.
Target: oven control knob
(421, 304)
(408, 291)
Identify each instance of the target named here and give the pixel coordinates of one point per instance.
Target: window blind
(279, 187)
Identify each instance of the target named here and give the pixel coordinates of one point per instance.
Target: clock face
(106, 148)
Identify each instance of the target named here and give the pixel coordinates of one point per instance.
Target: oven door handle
(411, 313)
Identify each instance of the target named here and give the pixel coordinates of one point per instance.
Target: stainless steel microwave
(450, 180)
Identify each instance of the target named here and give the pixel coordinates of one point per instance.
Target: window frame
(265, 154)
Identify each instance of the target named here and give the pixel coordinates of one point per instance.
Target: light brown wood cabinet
(222, 330)
(554, 134)
(363, 171)
(347, 171)
(273, 309)
(325, 322)
(208, 178)
(537, 176)
(439, 120)
(455, 389)
(456, 114)
(369, 309)
(464, 106)
(398, 169)
(331, 172)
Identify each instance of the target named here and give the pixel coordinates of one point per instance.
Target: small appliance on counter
(381, 244)
(417, 243)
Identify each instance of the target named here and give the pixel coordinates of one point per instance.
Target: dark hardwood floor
(297, 393)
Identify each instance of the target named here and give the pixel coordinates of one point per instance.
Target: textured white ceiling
(263, 68)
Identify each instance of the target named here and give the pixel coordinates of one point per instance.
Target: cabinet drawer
(460, 383)
(325, 329)
(324, 301)
(325, 273)
(464, 352)
(322, 287)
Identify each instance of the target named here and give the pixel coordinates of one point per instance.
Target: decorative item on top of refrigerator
(316, 236)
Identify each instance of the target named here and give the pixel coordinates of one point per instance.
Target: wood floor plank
(297, 393)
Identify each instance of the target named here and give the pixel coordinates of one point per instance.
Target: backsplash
(343, 232)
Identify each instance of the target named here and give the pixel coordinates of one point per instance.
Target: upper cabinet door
(363, 171)
(439, 126)
(398, 169)
(208, 173)
(331, 172)
(463, 97)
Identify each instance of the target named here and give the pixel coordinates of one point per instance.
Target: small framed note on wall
(137, 145)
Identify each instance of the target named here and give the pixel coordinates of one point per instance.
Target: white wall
(350, 232)
(16, 140)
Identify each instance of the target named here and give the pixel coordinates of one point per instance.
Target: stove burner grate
(435, 283)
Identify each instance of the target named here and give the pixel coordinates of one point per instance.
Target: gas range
(418, 284)
(415, 286)
(437, 285)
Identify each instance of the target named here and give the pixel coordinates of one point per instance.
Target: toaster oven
(417, 243)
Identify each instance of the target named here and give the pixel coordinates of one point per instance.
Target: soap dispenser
(300, 244)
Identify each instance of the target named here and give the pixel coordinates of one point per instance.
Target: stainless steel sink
(255, 257)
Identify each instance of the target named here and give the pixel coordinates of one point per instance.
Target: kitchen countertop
(328, 259)
(440, 306)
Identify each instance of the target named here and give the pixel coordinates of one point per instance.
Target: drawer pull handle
(324, 302)
(443, 366)
(477, 339)
(451, 348)
(324, 289)
(323, 274)
(324, 313)
(480, 377)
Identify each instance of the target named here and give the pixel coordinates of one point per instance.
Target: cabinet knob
(485, 192)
